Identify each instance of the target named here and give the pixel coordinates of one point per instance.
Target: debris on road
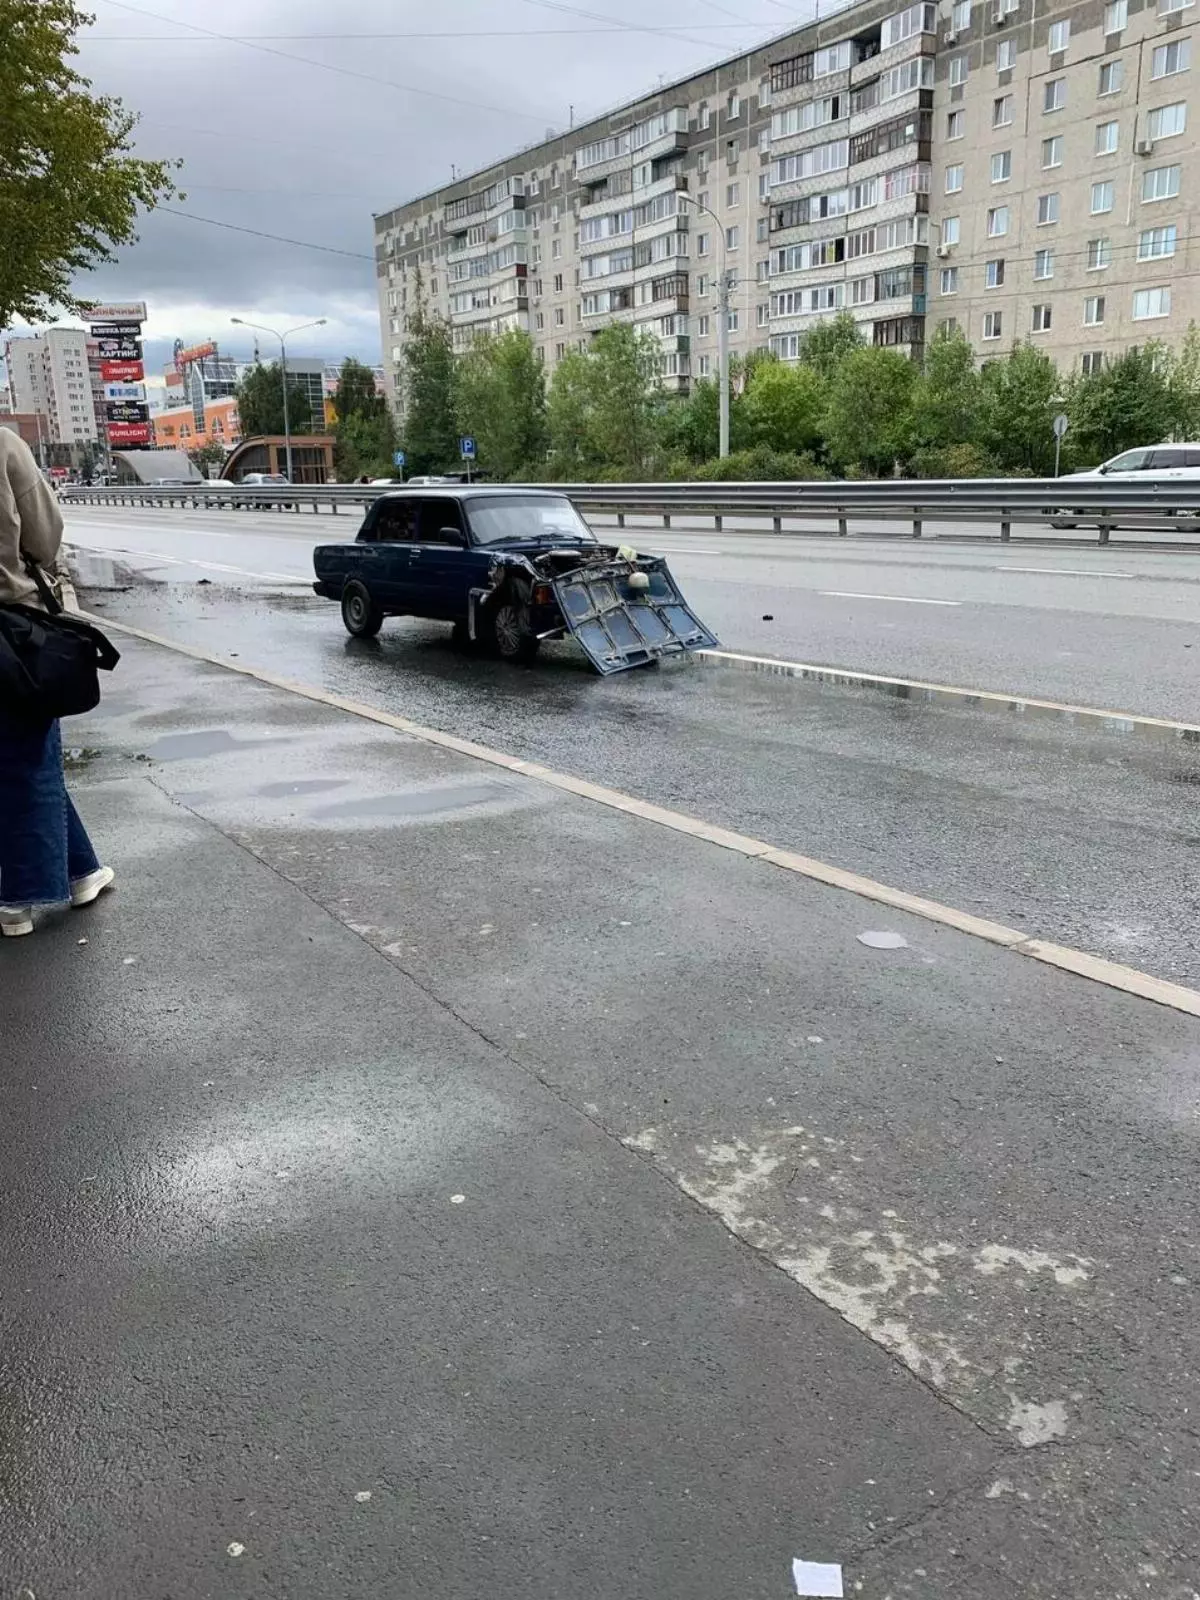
(818, 1577)
(883, 940)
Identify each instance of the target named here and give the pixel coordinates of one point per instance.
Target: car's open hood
(621, 625)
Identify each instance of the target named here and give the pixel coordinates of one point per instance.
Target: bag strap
(49, 599)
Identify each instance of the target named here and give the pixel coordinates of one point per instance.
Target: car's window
(1130, 461)
(436, 515)
(394, 522)
(1165, 458)
(497, 519)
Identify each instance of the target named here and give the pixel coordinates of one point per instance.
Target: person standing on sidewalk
(46, 857)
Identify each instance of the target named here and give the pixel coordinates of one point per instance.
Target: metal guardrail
(1154, 504)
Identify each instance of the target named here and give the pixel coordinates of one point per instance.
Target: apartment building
(1020, 175)
(56, 374)
(1065, 176)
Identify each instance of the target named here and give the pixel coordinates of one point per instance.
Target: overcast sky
(309, 148)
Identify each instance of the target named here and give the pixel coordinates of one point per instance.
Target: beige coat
(30, 521)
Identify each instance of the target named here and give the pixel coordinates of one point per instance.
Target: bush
(954, 461)
(759, 465)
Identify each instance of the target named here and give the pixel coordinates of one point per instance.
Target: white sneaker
(85, 890)
(15, 920)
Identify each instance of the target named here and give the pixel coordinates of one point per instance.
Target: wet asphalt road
(422, 1182)
(1117, 628)
(1084, 838)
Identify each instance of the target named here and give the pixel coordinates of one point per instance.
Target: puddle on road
(422, 802)
(205, 742)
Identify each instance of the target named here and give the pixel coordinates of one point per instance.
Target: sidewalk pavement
(421, 1182)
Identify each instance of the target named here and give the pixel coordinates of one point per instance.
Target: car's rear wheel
(362, 616)
(510, 631)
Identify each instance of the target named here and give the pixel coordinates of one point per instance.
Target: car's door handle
(414, 555)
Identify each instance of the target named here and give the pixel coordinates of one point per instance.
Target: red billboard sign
(130, 433)
(122, 371)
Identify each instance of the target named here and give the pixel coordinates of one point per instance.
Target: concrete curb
(1095, 969)
(1091, 717)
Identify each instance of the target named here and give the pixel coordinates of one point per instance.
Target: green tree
(868, 418)
(70, 188)
(260, 402)
(625, 403)
(827, 345)
(1018, 398)
(948, 392)
(1185, 385)
(429, 376)
(364, 433)
(784, 406)
(210, 453)
(501, 397)
(568, 414)
(1129, 401)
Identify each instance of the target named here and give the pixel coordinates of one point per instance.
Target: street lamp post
(723, 291)
(283, 339)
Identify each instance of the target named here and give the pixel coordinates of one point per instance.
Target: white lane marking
(1069, 572)
(901, 599)
(188, 561)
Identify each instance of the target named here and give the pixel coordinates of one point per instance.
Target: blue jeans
(43, 844)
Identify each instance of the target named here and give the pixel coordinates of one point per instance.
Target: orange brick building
(176, 429)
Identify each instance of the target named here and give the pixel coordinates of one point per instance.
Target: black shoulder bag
(50, 661)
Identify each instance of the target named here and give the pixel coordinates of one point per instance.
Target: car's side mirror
(452, 536)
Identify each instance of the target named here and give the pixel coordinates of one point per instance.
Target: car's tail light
(542, 594)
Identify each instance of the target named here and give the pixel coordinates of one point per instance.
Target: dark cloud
(290, 148)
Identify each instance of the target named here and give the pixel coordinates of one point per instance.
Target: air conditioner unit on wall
(950, 36)
(942, 251)
(999, 18)
(1143, 147)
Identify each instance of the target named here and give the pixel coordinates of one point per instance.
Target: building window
(702, 161)
(949, 282)
(993, 274)
(1167, 121)
(1054, 94)
(1160, 183)
(764, 315)
(1102, 197)
(764, 91)
(1107, 134)
(997, 222)
(1002, 111)
(1151, 303)
(732, 236)
(958, 71)
(1043, 264)
(1165, 7)
(1002, 166)
(539, 320)
(1112, 76)
(704, 117)
(950, 230)
(1169, 59)
(1041, 319)
(1052, 151)
(764, 185)
(703, 366)
(734, 110)
(1091, 361)
(1156, 243)
(960, 17)
(1116, 15)
(993, 324)
(954, 179)
(733, 194)
(1099, 254)
(560, 317)
(1058, 37)
(955, 124)
(702, 328)
(558, 283)
(762, 271)
(762, 231)
(1006, 55)
(702, 245)
(731, 321)
(702, 285)
(1093, 311)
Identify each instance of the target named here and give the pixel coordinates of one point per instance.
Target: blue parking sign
(466, 448)
(398, 459)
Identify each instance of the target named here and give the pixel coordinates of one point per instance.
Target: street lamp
(722, 326)
(283, 339)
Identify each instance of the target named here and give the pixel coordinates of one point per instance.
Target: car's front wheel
(511, 632)
(362, 616)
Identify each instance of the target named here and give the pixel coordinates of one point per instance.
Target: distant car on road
(1159, 460)
(264, 480)
(508, 567)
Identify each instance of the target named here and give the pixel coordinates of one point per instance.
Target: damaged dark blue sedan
(509, 568)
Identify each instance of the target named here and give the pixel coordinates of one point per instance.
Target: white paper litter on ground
(883, 940)
(818, 1577)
